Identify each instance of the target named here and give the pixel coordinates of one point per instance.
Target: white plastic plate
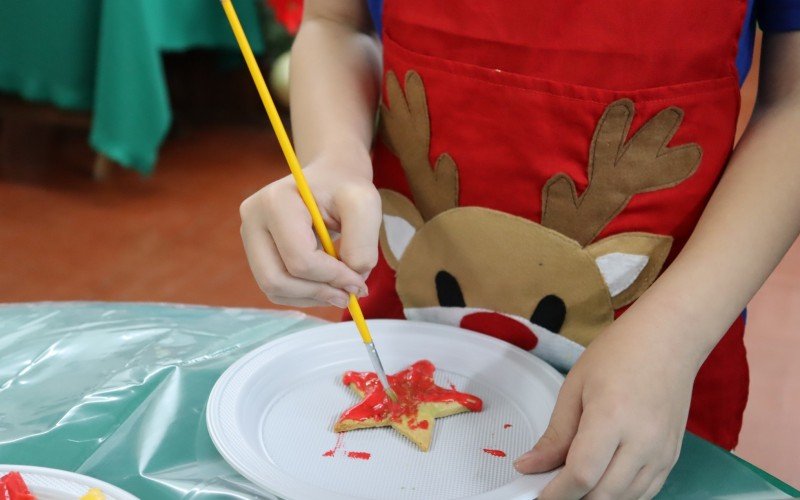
(271, 416)
(55, 484)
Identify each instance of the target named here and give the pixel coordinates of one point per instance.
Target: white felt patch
(398, 234)
(620, 270)
(557, 350)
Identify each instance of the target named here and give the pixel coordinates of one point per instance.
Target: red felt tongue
(501, 327)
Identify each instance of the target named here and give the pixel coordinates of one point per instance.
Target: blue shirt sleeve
(778, 15)
(772, 16)
(376, 12)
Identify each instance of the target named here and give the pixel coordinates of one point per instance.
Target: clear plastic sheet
(118, 392)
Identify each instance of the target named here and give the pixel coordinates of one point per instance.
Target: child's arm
(621, 414)
(335, 72)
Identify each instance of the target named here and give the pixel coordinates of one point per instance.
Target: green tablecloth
(118, 392)
(105, 56)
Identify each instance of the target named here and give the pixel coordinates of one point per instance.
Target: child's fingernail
(524, 457)
(357, 291)
(339, 302)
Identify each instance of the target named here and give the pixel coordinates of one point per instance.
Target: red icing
(413, 386)
(496, 453)
(501, 327)
(361, 455)
(506, 426)
(335, 448)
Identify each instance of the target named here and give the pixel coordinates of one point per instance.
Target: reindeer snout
(501, 327)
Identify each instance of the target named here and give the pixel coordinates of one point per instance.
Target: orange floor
(174, 237)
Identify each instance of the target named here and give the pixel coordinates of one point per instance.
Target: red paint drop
(496, 453)
(501, 327)
(506, 426)
(332, 451)
(361, 455)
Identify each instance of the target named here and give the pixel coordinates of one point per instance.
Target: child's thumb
(551, 449)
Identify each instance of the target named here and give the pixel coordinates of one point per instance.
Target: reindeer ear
(629, 263)
(401, 219)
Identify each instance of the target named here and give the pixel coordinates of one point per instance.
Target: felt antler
(618, 170)
(406, 131)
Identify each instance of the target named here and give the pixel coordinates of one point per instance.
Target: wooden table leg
(5, 145)
(101, 168)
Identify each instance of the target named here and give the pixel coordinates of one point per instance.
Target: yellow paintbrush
(302, 185)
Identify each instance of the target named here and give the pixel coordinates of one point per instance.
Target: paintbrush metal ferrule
(376, 363)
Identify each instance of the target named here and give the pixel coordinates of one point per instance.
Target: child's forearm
(334, 82)
(752, 219)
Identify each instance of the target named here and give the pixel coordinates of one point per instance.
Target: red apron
(540, 163)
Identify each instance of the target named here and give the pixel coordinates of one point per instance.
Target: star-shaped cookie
(419, 402)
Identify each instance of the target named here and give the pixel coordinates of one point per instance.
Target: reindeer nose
(501, 327)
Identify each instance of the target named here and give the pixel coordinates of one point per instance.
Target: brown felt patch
(655, 247)
(618, 170)
(406, 131)
(508, 264)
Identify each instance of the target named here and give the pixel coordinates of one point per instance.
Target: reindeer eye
(550, 313)
(448, 291)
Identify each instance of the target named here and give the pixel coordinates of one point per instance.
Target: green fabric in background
(118, 392)
(48, 50)
(105, 56)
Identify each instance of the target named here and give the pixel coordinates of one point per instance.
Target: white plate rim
(81, 480)
(518, 489)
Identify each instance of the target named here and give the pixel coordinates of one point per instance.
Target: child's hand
(619, 420)
(281, 246)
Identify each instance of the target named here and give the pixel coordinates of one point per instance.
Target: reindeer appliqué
(546, 287)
